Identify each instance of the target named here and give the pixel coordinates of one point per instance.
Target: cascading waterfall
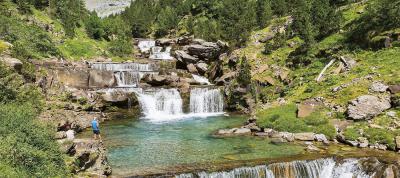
(205, 100)
(159, 54)
(126, 74)
(146, 45)
(321, 168)
(124, 67)
(161, 104)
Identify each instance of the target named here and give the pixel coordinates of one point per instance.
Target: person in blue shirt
(96, 129)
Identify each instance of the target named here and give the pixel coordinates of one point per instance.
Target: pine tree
(325, 18)
(166, 20)
(303, 22)
(279, 7)
(264, 12)
(244, 77)
(94, 26)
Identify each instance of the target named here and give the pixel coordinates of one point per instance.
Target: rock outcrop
(366, 107)
(13, 63)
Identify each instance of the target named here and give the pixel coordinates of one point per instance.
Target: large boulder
(183, 57)
(206, 50)
(366, 107)
(192, 68)
(13, 63)
(156, 80)
(101, 79)
(77, 78)
(202, 67)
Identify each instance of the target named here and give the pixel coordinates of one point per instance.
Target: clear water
(137, 146)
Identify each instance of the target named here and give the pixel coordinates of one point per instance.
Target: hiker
(96, 129)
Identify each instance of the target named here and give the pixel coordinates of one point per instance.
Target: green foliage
(351, 133)
(277, 42)
(27, 147)
(380, 16)
(121, 47)
(244, 77)
(283, 118)
(381, 136)
(94, 26)
(264, 12)
(29, 41)
(70, 12)
(166, 20)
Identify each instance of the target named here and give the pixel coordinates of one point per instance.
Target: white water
(202, 80)
(321, 168)
(205, 100)
(146, 45)
(127, 78)
(124, 67)
(158, 53)
(161, 105)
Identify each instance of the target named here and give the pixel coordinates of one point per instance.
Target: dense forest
(229, 20)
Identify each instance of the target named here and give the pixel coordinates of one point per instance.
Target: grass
(283, 118)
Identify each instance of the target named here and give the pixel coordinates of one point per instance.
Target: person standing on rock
(96, 129)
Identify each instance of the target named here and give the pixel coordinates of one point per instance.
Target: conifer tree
(264, 12)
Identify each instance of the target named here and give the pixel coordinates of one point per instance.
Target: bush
(381, 136)
(27, 147)
(351, 134)
(121, 47)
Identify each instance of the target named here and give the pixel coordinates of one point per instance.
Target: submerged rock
(366, 107)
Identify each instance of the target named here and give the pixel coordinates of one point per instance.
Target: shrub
(381, 136)
(351, 134)
(27, 147)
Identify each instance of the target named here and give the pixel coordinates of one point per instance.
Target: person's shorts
(97, 132)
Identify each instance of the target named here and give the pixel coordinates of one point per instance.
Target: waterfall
(124, 67)
(126, 74)
(161, 104)
(202, 80)
(157, 53)
(146, 45)
(205, 100)
(321, 168)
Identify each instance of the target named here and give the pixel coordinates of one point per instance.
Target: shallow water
(137, 146)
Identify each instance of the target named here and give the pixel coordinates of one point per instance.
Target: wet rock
(304, 136)
(165, 42)
(363, 142)
(101, 79)
(182, 56)
(366, 107)
(253, 127)
(378, 87)
(378, 146)
(13, 63)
